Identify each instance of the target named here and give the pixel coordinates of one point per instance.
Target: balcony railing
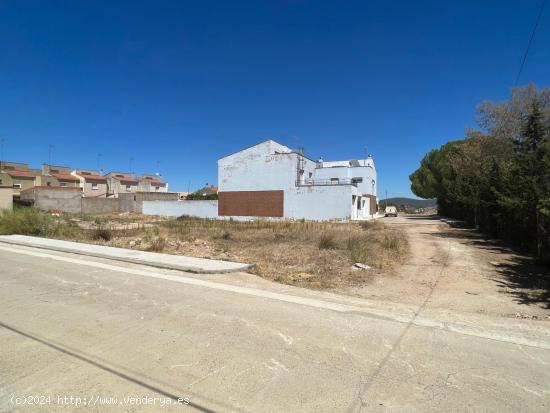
(327, 182)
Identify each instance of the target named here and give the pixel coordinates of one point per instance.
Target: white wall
(258, 168)
(199, 209)
(319, 203)
(368, 173)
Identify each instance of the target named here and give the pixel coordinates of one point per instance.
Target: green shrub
(30, 221)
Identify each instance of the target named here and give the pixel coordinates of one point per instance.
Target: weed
(104, 234)
(391, 242)
(327, 242)
(157, 245)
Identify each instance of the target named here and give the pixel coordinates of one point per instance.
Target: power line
(530, 41)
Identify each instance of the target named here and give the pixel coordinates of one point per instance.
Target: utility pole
(99, 155)
(2, 140)
(131, 161)
(50, 148)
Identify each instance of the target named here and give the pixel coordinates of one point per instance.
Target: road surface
(120, 337)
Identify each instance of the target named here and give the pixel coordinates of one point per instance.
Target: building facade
(121, 183)
(91, 183)
(272, 180)
(18, 176)
(57, 176)
(152, 183)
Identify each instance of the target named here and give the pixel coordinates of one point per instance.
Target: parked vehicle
(391, 211)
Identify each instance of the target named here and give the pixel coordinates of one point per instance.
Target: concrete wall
(319, 203)
(6, 197)
(199, 209)
(48, 198)
(100, 205)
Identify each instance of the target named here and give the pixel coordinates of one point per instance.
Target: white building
(272, 180)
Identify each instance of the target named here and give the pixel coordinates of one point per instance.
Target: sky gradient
(188, 82)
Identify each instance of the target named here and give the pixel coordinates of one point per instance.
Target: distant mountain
(410, 202)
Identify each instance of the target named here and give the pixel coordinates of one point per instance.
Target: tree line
(497, 178)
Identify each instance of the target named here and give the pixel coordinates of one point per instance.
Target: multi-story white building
(272, 180)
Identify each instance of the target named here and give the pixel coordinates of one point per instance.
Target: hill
(410, 202)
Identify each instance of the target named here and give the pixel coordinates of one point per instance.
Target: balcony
(327, 182)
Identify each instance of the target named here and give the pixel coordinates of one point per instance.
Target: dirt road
(455, 273)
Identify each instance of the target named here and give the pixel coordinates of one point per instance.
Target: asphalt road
(111, 334)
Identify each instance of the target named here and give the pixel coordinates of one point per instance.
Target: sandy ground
(452, 270)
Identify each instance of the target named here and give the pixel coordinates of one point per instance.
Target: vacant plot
(311, 254)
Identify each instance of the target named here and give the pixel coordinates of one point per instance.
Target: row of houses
(91, 182)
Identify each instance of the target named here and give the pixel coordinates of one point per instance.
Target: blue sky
(187, 82)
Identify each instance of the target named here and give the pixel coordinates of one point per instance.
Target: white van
(391, 211)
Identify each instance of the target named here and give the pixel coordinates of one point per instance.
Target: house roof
(65, 177)
(157, 183)
(91, 177)
(20, 174)
(208, 190)
(125, 179)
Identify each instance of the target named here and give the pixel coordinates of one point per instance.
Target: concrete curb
(153, 259)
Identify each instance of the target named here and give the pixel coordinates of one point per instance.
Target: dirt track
(453, 270)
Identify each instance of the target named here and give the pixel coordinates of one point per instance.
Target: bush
(226, 235)
(30, 221)
(327, 242)
(104, 234)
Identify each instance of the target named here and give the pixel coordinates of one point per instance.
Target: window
(94, 186)
(128, 187)
(62, 183)
(310, 175)
(157, 188)
(357, 180)
(48, 183)
(334, 180)
(17, 186)
(54, 171)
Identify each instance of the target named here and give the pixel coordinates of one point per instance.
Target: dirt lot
(456, 270)
(309, 254)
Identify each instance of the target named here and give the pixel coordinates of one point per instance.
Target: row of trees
(498, 178)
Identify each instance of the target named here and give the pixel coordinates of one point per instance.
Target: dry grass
(312, 254)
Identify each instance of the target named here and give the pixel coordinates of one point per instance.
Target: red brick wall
(251, 203)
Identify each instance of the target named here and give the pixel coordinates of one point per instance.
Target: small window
(54, 171)
(157, 188)
(94, 186)
(334, 180)
(48, 183)
(0, 182)
(128, 187)
(311, 174)
(17, 186)
(62, 183)
(356, 180)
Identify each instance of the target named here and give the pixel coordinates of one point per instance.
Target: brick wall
(251, 203)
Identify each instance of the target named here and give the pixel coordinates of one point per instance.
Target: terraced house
(152, 183)
(121, 183)
(18, 176)
(57, 176)
(91, 182)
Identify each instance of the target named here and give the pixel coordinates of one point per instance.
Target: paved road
(100, 330)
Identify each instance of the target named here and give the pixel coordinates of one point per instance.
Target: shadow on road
(520, 275)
